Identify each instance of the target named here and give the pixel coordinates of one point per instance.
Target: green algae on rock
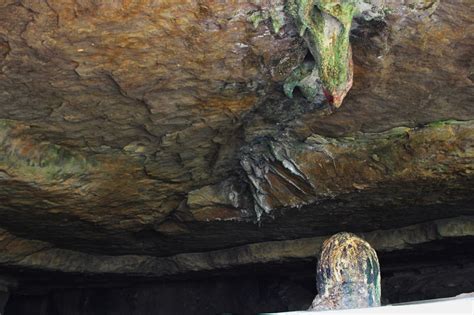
(275, 14)
(325, 25)
(39, 160)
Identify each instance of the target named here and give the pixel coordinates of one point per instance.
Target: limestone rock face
(137, 129)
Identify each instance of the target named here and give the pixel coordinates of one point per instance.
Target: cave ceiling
(158, 128)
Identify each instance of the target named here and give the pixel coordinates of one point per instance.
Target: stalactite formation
(325, 25)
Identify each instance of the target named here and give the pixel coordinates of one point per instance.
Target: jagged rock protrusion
(285, 173)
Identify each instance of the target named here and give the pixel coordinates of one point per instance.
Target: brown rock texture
(143, 130)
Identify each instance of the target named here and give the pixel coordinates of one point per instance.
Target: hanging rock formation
(325, 25)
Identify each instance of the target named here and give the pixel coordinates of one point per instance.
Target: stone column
(348, 274)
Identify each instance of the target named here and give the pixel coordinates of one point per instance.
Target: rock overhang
(126, 131)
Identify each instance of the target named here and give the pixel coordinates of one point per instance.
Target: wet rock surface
(135, 132)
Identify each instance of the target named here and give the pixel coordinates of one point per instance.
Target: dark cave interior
(434, 270)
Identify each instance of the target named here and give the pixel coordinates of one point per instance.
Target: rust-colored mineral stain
(234, 105)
